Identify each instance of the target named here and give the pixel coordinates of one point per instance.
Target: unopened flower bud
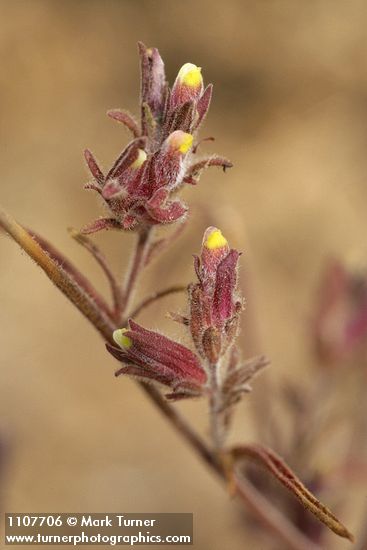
(214, 248)
(214, 239)
(138, 188)
(123, 174)
(214, 305)
(121, 339)
(190, 75)
(140, 159)
(152, 356)
(179, 142)
(188, 85)
(153, 78)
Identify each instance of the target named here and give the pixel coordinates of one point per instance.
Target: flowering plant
(139, 191)
(161, 158)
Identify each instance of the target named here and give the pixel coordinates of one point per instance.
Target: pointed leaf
(281, 471)
(99, 225)
(125, 118)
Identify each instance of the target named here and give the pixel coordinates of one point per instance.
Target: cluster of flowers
(214, 308)
(138, 193)
(138, 189)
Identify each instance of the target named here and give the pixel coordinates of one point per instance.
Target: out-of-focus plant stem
(270, 518)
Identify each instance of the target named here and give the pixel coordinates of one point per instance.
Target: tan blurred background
(289, 109)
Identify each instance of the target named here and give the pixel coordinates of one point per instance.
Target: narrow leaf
(125, 118)
(101, 260)
(281, 471)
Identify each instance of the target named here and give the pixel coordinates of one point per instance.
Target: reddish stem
(101, 260)
(140, 255)
(156, 296)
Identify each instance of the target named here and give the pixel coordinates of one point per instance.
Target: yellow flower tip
(122, 340)
(215, 240)
(190, 75)
(140, 159)
(186, 143)
(180, 141)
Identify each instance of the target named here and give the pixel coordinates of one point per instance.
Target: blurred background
(290, 111)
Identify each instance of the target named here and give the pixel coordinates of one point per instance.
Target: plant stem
(156, 296)
(78, 277)
(260, 507)
(214, 408)
(138, 261)
(101, 260)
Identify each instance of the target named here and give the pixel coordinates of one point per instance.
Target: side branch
(157, 296)
(101, 260)
(141, 253)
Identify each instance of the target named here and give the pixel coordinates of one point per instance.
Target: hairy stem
(78, 277)
(214, 408)
(138, 261)
(101, 260)
(156, 296)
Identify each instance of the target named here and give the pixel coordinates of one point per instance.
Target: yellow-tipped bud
(190, 75)
(122, 340)
(140, 159)
(215, 240)
(180, 141)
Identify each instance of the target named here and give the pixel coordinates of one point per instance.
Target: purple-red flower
(151, 356)
(138, 188)
(214, 303)
(212, 320)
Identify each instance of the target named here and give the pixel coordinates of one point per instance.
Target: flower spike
(214, 303)
(137, 189)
